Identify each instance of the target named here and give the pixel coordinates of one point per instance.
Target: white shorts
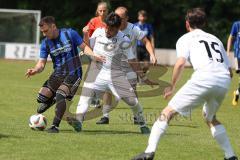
(192, 95)
(119, 86)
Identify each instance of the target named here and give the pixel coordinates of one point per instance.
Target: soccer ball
(38, 122)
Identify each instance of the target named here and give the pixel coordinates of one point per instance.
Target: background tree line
(167, 16)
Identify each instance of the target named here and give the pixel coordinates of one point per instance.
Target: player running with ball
(61, 45)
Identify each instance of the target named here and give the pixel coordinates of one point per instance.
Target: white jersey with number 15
(207, 56)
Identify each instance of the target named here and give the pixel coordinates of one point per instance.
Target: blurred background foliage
(167, 16)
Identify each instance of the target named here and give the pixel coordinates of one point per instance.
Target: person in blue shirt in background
(234, 38)
(142, 53)
(61, 45)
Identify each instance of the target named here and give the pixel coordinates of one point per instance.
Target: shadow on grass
(109, 132)
(177, 134)
(150, 124)
(8, 136)
(184, 125)
(128, 108)
(94, 132)
(114, 132)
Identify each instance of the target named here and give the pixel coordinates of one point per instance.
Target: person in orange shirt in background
(92, 25)
(98, 21)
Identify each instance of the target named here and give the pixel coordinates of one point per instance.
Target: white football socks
(219, 133)
(237, 92)
(82, 107)
(158, 130)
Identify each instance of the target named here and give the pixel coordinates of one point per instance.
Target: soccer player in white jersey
(134, 33)
(208, 85)
(112, 44)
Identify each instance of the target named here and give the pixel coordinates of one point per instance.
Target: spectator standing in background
(142, 53)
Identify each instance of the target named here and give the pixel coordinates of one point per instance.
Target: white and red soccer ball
(38, 122)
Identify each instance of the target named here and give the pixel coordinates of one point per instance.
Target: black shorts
(142, 54)
(55, 81)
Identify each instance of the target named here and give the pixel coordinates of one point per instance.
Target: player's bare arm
(152, 41)
(85, 31)
(150, 49)
(87, 50)
(178, 68)
(37, 69)
(229, 44)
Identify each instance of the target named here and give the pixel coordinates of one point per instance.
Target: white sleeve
(93, 37)
(92, 42)
(182, 48)
(138, 33)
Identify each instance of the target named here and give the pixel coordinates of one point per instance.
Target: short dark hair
(143, 13)
(196, 17)
(113, 20)
(47, 20)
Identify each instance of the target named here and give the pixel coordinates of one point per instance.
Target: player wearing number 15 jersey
(207, 86)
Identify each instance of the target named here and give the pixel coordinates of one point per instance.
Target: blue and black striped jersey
(63, 51)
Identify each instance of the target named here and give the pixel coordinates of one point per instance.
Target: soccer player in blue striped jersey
(142, 53)
(61, 45)
(234, 39)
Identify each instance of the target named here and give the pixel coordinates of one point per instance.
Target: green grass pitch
(186, 138)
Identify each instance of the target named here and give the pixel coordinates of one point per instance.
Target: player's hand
(153, 59)
(85, 30)
(30, 72)
(168, 91)
(99, 58)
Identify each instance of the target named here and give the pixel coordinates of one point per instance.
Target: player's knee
(167, 114)
(45, 96)
(44, 102)
(131, 101)
(60, 95)
(43, 99)
(46, 91)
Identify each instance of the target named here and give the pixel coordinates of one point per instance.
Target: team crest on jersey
(110, 46)
(114, 40)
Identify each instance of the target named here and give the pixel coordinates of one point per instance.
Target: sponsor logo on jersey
(65, 48)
